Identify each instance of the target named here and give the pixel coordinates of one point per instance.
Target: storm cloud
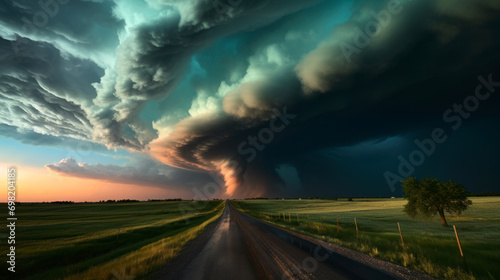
(202, 86)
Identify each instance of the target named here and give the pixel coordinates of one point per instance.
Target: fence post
(357, 232)
(460, 248)
(297, 218)
(401, 235)
(338, 228)
(118, 233)
(308, 220)
(322, 225)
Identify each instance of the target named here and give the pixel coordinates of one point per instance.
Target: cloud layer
(139, 172)
(206, 86)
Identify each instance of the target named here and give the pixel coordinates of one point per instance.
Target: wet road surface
(242, 248)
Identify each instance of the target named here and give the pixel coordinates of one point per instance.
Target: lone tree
(429, 197)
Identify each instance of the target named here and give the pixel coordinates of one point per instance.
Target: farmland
(104, 240)
(429, 247)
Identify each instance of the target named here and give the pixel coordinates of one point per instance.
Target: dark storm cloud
(402, 80)
(53, 52)
(50, 58)
(38, 95)
(155, 56)
(82, 29)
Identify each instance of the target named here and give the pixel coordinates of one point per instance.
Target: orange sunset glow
(39, 184)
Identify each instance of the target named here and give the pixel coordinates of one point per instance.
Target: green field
(429, 247)
(104, 240)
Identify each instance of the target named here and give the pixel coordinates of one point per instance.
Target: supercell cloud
(307, 98)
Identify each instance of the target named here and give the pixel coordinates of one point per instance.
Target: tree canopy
(428, 197)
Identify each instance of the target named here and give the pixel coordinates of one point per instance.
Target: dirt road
(240, 247)
(225, 255)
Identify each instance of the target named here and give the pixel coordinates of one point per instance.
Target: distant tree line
(167, 199)
(105, 201)
(485, 194)
(118, 201)
(62, 202)
(319, 198)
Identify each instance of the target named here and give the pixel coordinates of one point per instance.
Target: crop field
(429, 246)
(104, 240)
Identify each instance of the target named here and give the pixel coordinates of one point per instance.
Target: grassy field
(104, 240)
(429, 247)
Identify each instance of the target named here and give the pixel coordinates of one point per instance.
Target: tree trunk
(443, 219)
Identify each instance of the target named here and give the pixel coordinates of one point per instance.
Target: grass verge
(429, 247)
(106, 241)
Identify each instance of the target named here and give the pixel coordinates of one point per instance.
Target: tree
(429, 197)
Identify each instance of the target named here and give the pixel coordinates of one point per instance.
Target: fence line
(404, 246)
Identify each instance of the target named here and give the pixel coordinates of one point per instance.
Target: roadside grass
(429, 247)
(104, 240)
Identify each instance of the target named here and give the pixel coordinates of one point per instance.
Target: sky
(202, 99)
